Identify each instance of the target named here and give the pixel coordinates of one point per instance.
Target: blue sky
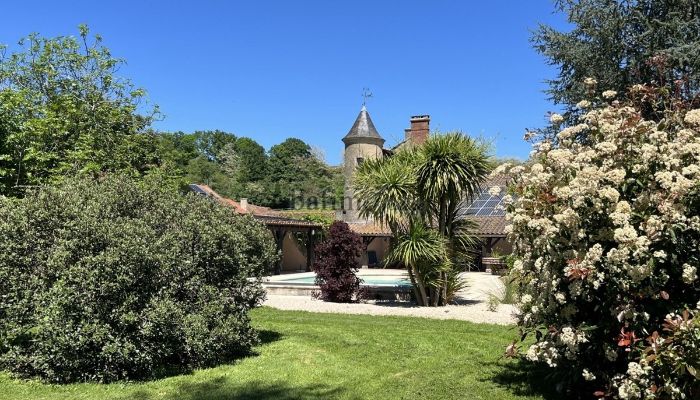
(276, 69)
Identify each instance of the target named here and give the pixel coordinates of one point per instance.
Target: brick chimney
(420, 129)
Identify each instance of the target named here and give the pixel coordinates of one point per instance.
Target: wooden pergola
(280, 227)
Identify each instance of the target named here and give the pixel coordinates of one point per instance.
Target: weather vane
(366, 94)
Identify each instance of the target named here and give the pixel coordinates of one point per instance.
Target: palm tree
(417, 194)
(387, 189)
(423, 251)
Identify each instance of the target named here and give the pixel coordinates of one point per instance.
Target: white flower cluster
(609, 94)
(588, 375)
(544, 352)
(583, 104)
(571, 339)
(556, 119)
(635, 384)
(690, 273)
(693, 117)
(595, 217)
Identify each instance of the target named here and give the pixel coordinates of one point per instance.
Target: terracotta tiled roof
(249, 209)
(496, 180)
(489, 226)
(370, 229)
(264, 214)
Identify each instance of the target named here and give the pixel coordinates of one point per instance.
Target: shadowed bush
(123, 280)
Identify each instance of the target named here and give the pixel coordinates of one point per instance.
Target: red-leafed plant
(337, 261)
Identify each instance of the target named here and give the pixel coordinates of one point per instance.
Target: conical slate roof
(363, 130)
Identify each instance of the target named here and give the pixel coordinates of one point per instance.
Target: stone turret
(363, 142)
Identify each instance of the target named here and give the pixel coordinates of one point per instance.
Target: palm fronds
(452, 166)
(418, 193)
(386, 188)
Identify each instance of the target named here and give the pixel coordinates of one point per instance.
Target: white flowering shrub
(606, 231)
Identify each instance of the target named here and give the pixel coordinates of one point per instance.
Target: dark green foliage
(622, 43)
(210, 144)
(124, 280)
(232, 166)
(301, 179)
(252, 166)
(290, 176)
(65, 112)
(337, 261)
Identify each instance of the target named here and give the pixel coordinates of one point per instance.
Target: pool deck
(471, 303)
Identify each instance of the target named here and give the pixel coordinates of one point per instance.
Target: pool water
(366, 281)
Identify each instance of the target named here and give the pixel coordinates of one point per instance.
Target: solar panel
(198, 190)
(484, 196)
(487, 205)
(478, 204)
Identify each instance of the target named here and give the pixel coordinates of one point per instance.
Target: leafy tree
(289, 150)
(64, 111)
(289, 170)
(118, 280)
(622, 43)
(202, 170)
(178, 148)
(211, 143)
(239, 167)
(336, 264)
(253, 160)
(231, 165)
(417, 193)
(424, 252)
(296, 173)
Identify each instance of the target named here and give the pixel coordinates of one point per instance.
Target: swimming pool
(377, 280)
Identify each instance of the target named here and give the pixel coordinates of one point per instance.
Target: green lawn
(334, 356)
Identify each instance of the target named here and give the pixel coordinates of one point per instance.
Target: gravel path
(472, 307)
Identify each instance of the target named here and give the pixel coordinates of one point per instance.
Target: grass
(334, 356)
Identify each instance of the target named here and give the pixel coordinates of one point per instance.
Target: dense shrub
(337, 261)
(123, 280)
(606, 229)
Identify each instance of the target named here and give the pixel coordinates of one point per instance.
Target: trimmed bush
(337, 261)
(102, 281)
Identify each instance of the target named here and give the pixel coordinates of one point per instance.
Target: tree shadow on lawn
(265, 336)
(526, 379)
(221, 389)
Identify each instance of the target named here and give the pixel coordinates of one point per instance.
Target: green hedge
(124, 280)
